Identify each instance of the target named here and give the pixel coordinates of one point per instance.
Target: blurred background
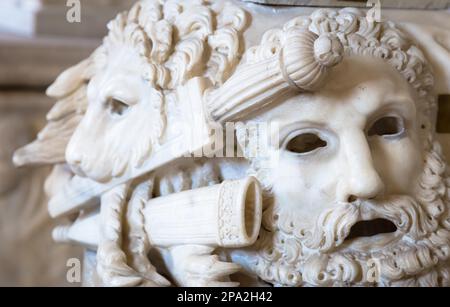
(37, 42)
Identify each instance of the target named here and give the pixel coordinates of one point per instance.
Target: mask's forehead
(355, 71)
(363, 85)
(370, 85)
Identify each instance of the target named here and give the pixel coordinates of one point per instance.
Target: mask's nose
(360, 179)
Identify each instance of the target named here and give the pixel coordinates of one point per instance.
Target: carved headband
(295, 59)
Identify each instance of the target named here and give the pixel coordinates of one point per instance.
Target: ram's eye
(117, 107)
(305, 143)
(387, 126)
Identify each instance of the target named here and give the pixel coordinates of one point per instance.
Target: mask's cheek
(306, 187)
(399, 163)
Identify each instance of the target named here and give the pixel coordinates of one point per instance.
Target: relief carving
(358, 194)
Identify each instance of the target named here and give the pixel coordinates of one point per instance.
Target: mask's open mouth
(371, 228)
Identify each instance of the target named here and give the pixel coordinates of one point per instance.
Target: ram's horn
(295, 59)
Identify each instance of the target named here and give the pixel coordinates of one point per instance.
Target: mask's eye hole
(117, 107)
(387, 126)
(305, 143)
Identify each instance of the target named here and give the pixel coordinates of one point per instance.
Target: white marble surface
(356, 148)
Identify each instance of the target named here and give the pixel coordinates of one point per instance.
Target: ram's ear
(50, 144)
(70, 80)
(70, 90)
(435, 42)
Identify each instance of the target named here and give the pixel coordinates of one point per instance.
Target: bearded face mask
(357, 196)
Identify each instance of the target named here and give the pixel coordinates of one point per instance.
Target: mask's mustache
(408, 215)
(334, 226)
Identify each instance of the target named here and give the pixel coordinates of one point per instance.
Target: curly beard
(287, 255)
